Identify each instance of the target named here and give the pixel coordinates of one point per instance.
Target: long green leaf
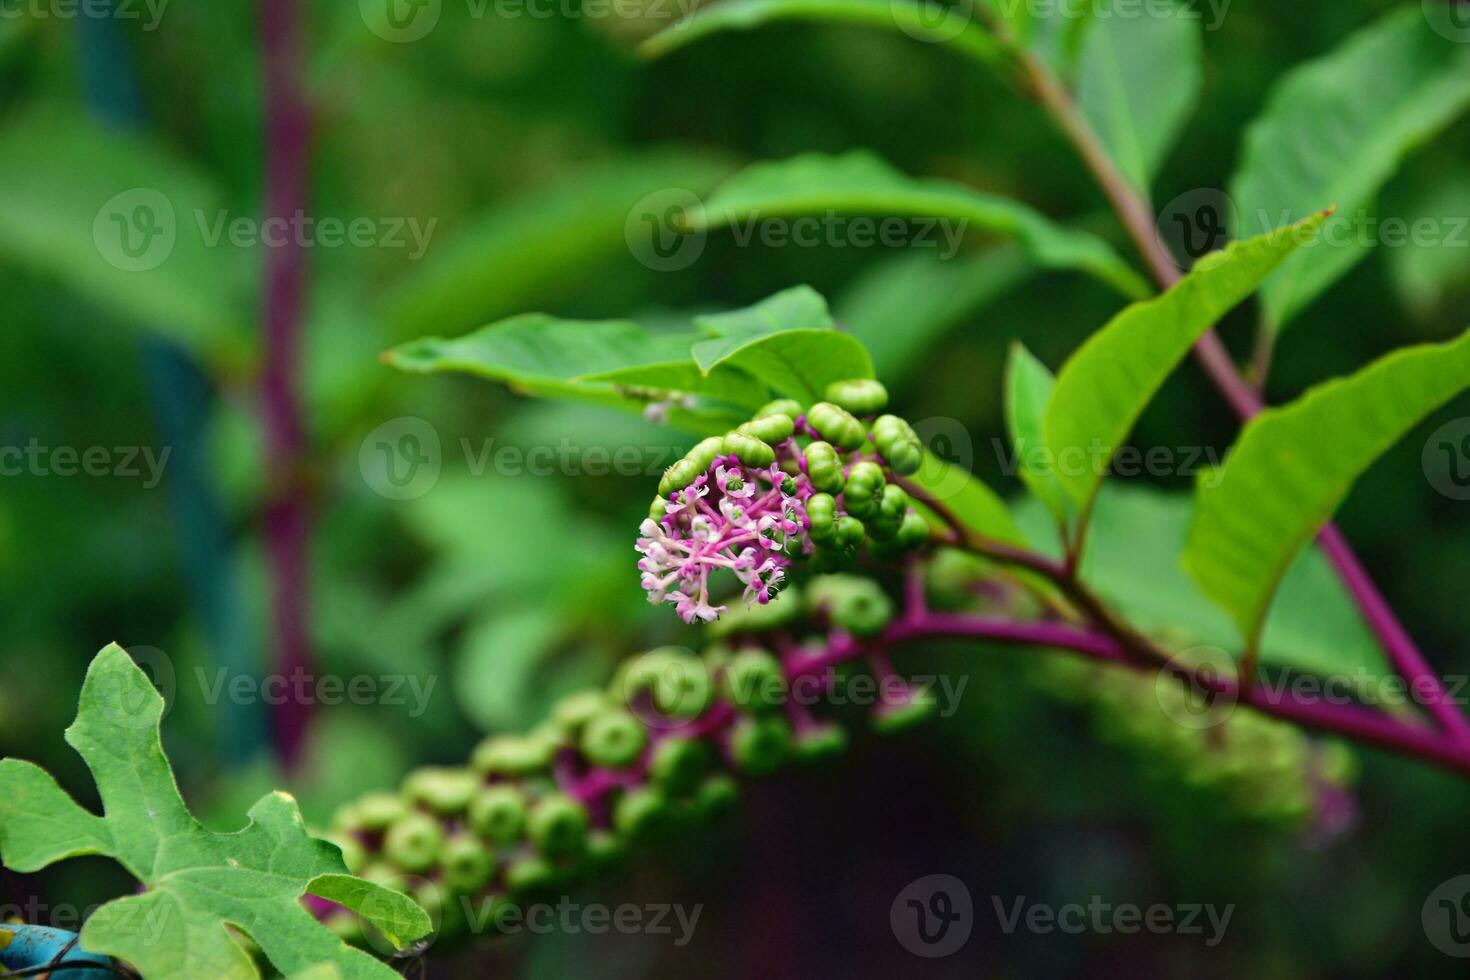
(1334, 131)
(1293, 465)
(859, 183)
(923, 21)
(1104, 387)
(1138, 79)
(1028, 388)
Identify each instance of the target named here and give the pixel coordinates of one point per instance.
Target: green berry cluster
(1263, 769)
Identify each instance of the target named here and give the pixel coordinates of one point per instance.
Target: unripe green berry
(354, 855)
(824, 467)
(821, 515)
(913, 531)
(781, 406)
(749, 450)
(613, 738)
(862, 396)
(898, 444)
(643, 814)
(819, 742)
(893, 503)
(760, 745)
(497, 813)
(694, 462)
(836, 425)
(855, 603)
(770, 429)
(919, 707)
(412, 842)
(754, 681)
(558, 826)
(509, 755)
(678, 764)
(575, 710)
(850, 532)
(605, 851)
(717, 795)
(531, 874)
(374, 812)
(678, 682)
(864, 484)
(466, 865)
(445, 791)
(658, 509)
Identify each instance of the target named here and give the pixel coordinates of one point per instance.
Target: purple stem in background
(288, 512)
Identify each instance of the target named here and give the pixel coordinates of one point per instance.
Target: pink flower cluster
(751, 521)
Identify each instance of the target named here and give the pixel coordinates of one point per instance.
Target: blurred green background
(519, 145)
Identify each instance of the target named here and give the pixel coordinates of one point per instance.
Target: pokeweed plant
(810, 530)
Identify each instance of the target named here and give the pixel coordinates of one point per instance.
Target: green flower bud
(509, 755)
(850, 532)
(678, 682)
(823, 741)
(466, 865)
(643, 814)
(853, 602)
(678, 764)
(575, 710)
(695, 462)
(913, 531)
(760, 745)
(531, 875)
(412, 842)
(605, 851)
(754, 681)
(445, 791)
(864, 484)
(836, 425)
(749, 450)
(781, 406)
(717, 795)
(771, 429)
(824, 467)
(862, 396)
(613, 738)
(374, 812)
(658, 508)
(497, 813)
(898, 444)
(821, 513)
(919, 707)
(893, 504)
(558, 825)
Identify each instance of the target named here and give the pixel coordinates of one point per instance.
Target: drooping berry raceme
(790, 484)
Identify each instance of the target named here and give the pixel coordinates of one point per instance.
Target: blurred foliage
(523, 142)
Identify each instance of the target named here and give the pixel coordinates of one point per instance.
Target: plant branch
(1243, 397)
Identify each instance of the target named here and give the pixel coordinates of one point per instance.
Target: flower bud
(824, 467)
(864, 483)
(836, 425)
(852, 602)
(445, 791)
(781, 406)
(558, 825)
(613, 738)
(531, 875)
(466, 865)
(374, 812)
(862, 396)
(821, 514)
(575, 710)
(497, 813)
(509, 755)
(771, 429)
(643, 814)
(696, 461)
(678, 682)
(893, 504)
(820, 741)
(898, 444)
(412, 842)
(913, 532)
(760, 745)
(754, 681)
(717, 795)
(678, 764)
(749, 450)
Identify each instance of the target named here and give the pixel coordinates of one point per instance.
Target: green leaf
(859, 183)
(195, 881)
(1294, 464)
(512, 256)
(1137, 536)
(611, 363)
(1106, 384)
(974, 504)
(1428, 270)
(786, 341)
(1138, 79)
(125, 224)
(901, 306)
(923, 21)
(1028, 387)
(1333, 133)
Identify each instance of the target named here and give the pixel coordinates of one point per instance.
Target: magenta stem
(288, 513)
